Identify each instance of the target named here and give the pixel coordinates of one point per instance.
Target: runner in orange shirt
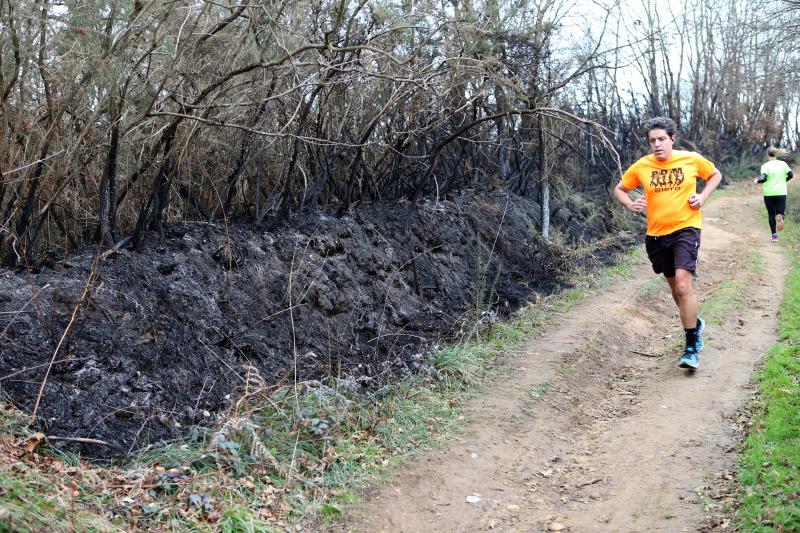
(668, 179)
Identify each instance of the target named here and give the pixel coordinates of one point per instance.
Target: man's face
(660, 143)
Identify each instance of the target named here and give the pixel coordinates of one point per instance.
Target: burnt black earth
(163, 334)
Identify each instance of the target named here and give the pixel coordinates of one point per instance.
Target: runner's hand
(695, 201)
(638, 205)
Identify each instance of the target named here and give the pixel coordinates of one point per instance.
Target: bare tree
(118, 117)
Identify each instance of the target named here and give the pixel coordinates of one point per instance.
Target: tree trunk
(108, 189)
(544, 181)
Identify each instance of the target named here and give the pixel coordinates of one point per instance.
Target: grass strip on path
(769, 473)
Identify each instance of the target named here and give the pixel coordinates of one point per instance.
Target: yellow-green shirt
(776, 172)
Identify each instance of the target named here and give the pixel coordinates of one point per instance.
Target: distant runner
(774, 175)
(669, 180)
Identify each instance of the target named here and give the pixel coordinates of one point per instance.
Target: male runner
(669, 180)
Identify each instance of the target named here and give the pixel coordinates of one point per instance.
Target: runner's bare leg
(683, 293)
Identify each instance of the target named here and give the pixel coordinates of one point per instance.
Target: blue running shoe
(689, 359)
(701, 327)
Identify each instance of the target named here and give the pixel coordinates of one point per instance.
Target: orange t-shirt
(667, 187)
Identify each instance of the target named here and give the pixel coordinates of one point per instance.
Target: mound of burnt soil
(163, 336)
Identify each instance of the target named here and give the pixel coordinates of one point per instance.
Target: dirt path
(585, 435)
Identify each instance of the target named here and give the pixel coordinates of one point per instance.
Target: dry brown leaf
(330, 454)
(33, 442)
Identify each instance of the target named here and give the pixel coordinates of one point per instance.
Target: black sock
(691, 337)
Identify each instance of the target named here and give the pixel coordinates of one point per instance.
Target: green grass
(653, 286)
(529, 400)
(239, 520)
(755, 262)
(329, 511)
(769, 473)
(729, 296)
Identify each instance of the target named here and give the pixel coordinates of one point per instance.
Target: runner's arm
(712, 183)
(789, 175)
(696, 201)
(763, 177)
(622, 196)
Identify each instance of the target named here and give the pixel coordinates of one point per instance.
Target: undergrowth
(730, 295)
(746, 166)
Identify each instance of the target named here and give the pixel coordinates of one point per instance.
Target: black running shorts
(676, 250)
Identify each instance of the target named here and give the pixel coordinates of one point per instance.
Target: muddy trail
(592, 427)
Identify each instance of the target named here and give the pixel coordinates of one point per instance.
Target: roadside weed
(653, 286)
(727, 298)
(755, 262)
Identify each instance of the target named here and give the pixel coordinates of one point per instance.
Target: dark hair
(772, 151)
(660, 123)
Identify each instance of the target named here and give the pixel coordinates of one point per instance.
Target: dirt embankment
(163, 333)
